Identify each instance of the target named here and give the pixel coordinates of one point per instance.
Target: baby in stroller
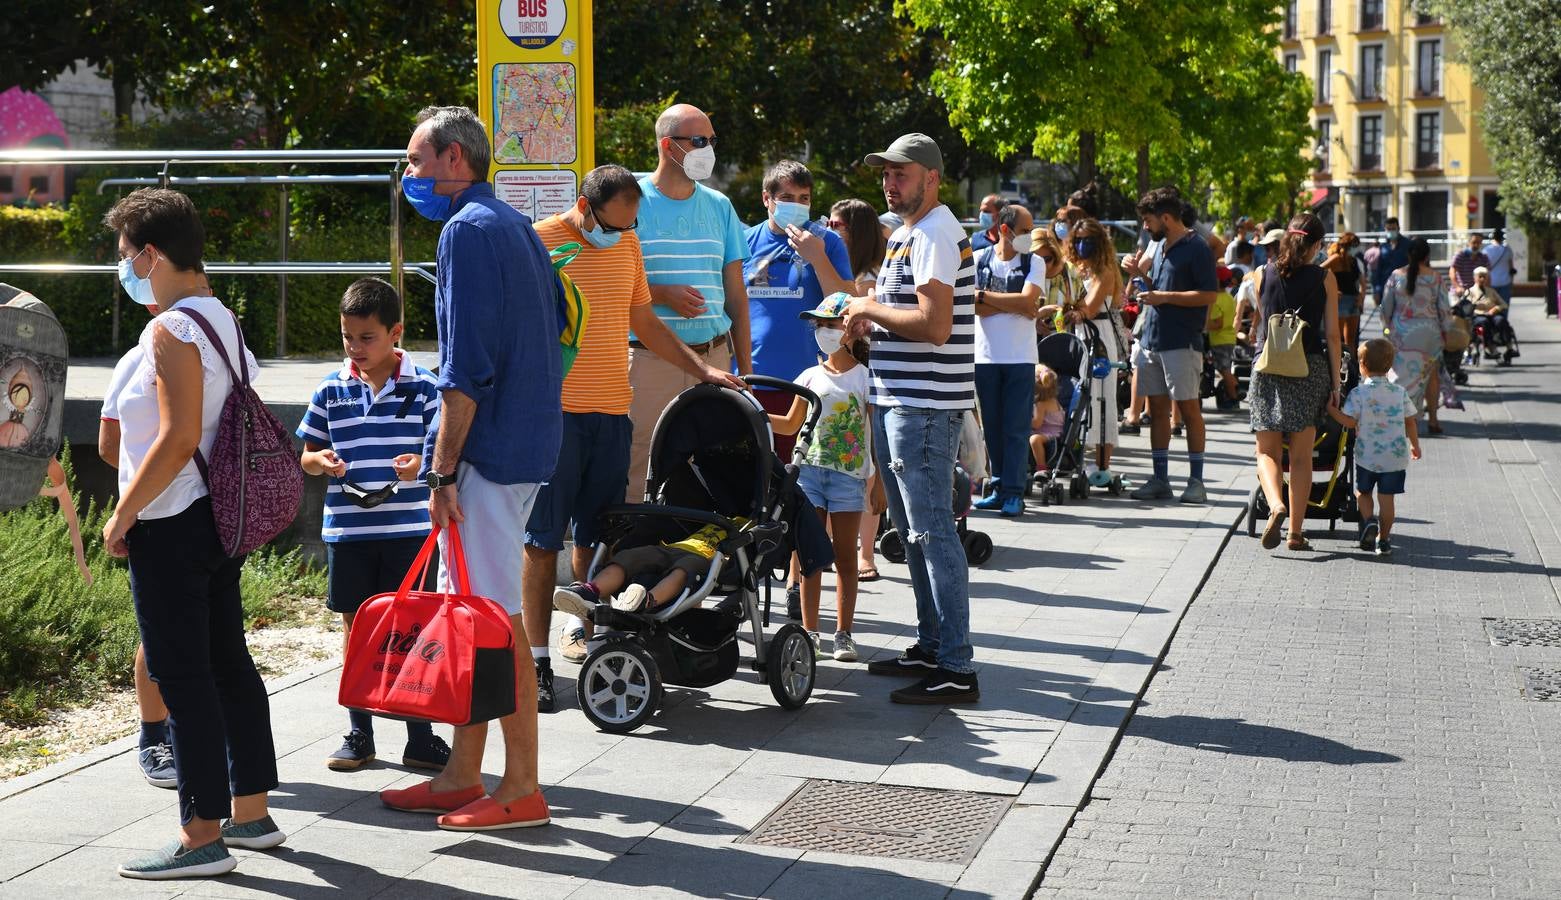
(644, 578)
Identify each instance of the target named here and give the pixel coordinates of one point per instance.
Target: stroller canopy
(711, 450)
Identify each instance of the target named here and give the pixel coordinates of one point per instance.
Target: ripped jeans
(915, 450)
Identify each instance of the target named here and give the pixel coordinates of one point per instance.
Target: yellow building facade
(1395, 116)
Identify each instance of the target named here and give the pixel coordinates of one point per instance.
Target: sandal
(1298, 543)
(867, 573)
(1435, 428)
(1271, 530)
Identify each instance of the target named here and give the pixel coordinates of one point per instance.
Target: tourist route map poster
(534, 89)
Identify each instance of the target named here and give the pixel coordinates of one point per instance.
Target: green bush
(65, 640)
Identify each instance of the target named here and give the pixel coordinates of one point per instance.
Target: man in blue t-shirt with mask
(1182, 286)
(793, 264)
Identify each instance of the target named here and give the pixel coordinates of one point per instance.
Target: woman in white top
(186, 591)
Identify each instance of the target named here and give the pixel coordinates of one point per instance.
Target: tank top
(1348, 279)
(1303, 292)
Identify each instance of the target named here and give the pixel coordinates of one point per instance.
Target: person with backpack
(184, 584)
(1008, 294)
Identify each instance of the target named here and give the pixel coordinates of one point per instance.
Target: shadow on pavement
(1242, 738)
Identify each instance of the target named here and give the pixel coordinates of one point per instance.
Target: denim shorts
(833, 491)
(1382, 482)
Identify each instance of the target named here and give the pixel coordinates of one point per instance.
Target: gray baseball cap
(910, 148)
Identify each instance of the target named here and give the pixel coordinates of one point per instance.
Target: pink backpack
(253, 474)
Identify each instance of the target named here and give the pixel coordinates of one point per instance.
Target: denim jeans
(1006, 392)
(916, 449)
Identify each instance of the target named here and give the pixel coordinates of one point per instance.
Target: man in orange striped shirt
(593, 462)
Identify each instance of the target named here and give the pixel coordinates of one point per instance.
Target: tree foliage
(1520, 73)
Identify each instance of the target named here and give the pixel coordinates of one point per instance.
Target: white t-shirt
(1008, 337)
(842, 440)
(136, 402)
(123, 369)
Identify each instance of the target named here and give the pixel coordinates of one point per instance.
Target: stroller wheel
(790, 665)
(891, 546)
(1058, 495)
(1079, 486)
(1257, 508)
(1460, 377)
(620, 687)
(1115, 487)
(978, 547)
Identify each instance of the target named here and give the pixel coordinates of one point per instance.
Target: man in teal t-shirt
(694, 250)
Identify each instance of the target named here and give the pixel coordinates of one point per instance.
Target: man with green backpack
(595, 243)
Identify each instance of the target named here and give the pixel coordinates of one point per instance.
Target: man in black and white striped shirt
(921, 318)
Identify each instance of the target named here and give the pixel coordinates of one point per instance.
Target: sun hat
(831, 307)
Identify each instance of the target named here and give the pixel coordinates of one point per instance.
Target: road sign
(534, 84)
(1473, 206)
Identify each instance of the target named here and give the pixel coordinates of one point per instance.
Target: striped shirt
(690, 242)
(916, 373)
(368, 430)
(612, 281)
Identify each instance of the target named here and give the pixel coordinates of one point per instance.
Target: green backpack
(573, 309)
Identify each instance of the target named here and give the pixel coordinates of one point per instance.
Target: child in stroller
(644, 578)
(1046, 423)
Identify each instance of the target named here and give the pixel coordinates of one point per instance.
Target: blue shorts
(592, 474)
(1382, 482)
(833, 491)
(1349, 305)
(358, 570)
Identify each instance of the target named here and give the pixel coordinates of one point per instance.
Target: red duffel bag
(429, 656)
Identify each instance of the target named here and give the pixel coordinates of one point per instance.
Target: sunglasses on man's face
(612, 229)
(697, 141)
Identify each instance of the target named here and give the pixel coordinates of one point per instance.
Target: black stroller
(1333, 453)
(710, 463)
(977, 544)
(1068, 356)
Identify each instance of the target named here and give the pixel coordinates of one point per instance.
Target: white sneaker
(845, 647)
(818, 645)
(632, 598)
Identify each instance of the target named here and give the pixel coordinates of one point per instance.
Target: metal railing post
(281, 296)
(396, 277)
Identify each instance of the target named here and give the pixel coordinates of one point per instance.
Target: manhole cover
(1540, 682)
(1524, 632)
(879, 820)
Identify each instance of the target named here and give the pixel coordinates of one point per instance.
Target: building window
(1428, 68)
(1324, 76)
(38, 184)
(1370, 77)
(1324, 150)
(1292, 18)
(1428, 140)
(6, 184)
(1370, 15)
(1292, 62)
(1324, 16)
(1370, 156)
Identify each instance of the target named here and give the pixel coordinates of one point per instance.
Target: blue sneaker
(175, 861)
(989, 502)
(157, 766)
(1013, 507)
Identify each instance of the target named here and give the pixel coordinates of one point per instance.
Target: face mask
(986, 221)
(1060, 229)
(139, 289)
(787, 214)
(829, 339)
(699, 164)
(1084, 249)
(1023, 243)
(601, 239)
(1392, 234)
(420, 194)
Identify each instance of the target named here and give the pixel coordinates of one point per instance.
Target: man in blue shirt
(793, 263)
(496, 439)
(1392, 253)
(1169, 363)
(693, 246)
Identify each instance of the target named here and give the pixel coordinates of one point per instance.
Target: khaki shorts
(493, 536)
(1175, 372)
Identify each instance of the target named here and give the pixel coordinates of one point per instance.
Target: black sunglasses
(612, 229)
(698, 141)
(367, 499)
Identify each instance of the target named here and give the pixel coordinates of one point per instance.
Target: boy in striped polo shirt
(365, 429)
(922, 321)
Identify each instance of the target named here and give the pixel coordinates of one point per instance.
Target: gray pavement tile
(86, 872)
(1065, 773)
(847, 880)
(21, 856)
(704, 871)
(997, 879)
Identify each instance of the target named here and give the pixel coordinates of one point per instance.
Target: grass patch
(62, 641)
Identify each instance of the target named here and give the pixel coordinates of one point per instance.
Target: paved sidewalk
(1070, 615)
(1332, 725)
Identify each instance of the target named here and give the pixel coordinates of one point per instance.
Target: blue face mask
(139, 289)
(420, 193)
(601, 239)
(986, 221)
(1392, 234)
(1060, 229)
(1084, 248)
(787, 214)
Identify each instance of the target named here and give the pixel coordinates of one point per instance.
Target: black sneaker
(429, 753)
(1368, 534)
(577, 599)
(1130, 428)
(940, 686)
(1384, 547)
(914, 661)
(157, 765)
(793, 603)
(544, 685)
(355, 752)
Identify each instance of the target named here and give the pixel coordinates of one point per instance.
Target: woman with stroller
(1091, 252)
(1416, 314)
(1285, 409)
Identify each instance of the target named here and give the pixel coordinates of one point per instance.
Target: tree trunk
(1143, 169)
(1086, 158)
(124, 83)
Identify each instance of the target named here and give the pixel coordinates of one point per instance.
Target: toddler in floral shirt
(1386, 439)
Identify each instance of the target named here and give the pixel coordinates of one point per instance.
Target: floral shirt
(840, 441)
(1379, 408)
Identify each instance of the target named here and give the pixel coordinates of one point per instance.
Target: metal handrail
(42, 156)
(219, 180)
(427, 270)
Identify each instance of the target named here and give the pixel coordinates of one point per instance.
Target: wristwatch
(980, 295)
(435, 481)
